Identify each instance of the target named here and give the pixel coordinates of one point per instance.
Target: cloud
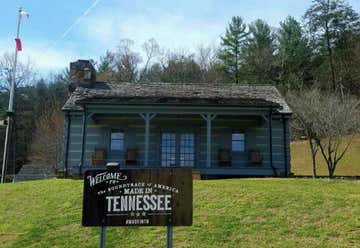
(172, 29)
(52, 59)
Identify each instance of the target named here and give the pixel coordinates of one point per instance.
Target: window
(168, 147)
(187, 149)
(238, 142)
(117, 141)
(177, 149)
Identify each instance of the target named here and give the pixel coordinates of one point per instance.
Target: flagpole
(10, 112)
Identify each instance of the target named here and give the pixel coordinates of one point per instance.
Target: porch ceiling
(173, 119)
(176, 110)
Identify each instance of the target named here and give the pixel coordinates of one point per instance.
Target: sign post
(102, 236)
(169, 234)
(138, 197)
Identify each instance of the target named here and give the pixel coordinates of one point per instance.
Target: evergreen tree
(105, 70)
(259, 59)
(294, 55)
(231, 48)
(329, 22)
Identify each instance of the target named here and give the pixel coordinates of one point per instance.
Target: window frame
(122, 148)
(239, 141)
(178, 134)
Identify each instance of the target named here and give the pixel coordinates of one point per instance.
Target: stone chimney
(82, 73)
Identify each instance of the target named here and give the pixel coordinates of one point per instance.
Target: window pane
(187, 149)
(238, 136)
(168, 146)
(117, 145)
(238, 146)
(117, 135)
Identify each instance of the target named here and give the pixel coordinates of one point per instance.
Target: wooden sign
(137, 197)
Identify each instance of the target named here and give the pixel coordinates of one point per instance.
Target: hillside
(301, 160)
(227, 213)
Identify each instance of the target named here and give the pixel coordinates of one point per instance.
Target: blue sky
(174, 24)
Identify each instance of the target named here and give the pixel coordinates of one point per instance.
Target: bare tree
(207, 59)
(126, 62)
(180, 67)
(337, 122)
(329, 123)
(152, 50)
(24, 72)
(304, 105)
(47, 139)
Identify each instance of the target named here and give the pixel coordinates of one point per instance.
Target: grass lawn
(301, 160)
(227, 213)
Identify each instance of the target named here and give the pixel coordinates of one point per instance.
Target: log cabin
(216, 129)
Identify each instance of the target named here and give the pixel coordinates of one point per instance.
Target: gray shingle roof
(171, 93)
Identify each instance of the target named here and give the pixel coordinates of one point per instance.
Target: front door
(177, 149)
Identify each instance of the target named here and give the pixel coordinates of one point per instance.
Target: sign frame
(138, 197)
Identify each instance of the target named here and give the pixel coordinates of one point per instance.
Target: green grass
(227, 213)
(301, 160)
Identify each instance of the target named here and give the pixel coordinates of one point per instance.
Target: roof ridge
(184, 83)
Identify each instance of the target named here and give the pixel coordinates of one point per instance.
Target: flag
(17, 40)
(18, 44)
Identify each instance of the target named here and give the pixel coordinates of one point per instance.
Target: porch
(215, 141)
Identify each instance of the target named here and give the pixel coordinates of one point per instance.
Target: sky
(61, 31)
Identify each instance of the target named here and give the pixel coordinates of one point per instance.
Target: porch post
(83, 143)
(67, 144)
(86, 116)
(208, 118)
(271, 143)
(284, 122)
(147, 118)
